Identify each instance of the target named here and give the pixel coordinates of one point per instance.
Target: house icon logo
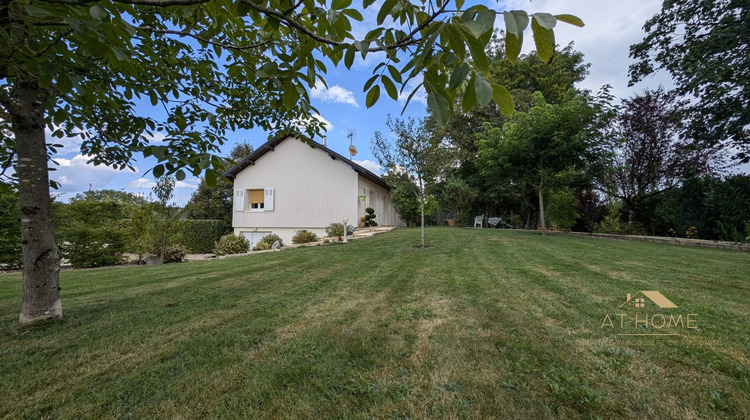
(654, 296)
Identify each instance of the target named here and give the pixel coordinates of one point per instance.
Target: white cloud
(369, 165)
(334, 93)
(191, 183)
(76, 174)
(142, 183)
(145, 183)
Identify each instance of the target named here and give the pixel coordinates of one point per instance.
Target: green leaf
(180, 175)
(477, 53)
(211, 178)
(385, 10)
(349, 57)
(483, 90)
(459, 4)
(570, 19)
(354, 14)
(544, 40)
(545, 20)
(97, 12)
(394, 74)
(290, 97)
(369, 82)
(516, 22)
(455, 42)
(390, 88)
(439, 106)
(64, 84)
(513, 47)
(503, 99)
(470, 97)
(459, 75)
(158, 171)
(340, 4)
(487, 18)
(372, 96)
(38, 12)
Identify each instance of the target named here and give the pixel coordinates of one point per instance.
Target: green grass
(482, 323)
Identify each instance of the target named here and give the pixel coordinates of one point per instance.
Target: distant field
(482, 323)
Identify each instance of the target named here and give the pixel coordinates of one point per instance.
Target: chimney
(324, 140)
(628, 298)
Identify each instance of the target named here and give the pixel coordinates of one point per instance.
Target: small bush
(88, 247)
(231, 244)
(370, 217)
(261, 246)
(271, 238)
(303, 237)
(174, 253)
(335, 229)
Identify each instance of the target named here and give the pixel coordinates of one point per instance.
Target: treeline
(96, 228)
(571, 159)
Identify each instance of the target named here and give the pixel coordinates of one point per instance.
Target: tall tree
(543, 147)
(84, 68)
(648, 155)
(703, 46)
(415, 152)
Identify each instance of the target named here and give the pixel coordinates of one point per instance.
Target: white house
(287, 185)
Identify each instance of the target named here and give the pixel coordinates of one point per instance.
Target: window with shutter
(257, 202)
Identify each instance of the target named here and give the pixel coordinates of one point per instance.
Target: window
(640, 303)
(256, 200)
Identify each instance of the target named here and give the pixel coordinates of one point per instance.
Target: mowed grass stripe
(482, 323)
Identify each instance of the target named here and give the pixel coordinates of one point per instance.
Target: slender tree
(414, 152)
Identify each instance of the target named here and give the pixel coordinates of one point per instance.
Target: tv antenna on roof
(352, 150)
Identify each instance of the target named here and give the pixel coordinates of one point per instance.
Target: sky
(611, 27)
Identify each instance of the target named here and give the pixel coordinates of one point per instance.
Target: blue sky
(611, 27)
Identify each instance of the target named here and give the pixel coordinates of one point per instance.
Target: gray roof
(271, 144)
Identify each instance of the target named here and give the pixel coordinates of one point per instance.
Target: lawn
(482, 323)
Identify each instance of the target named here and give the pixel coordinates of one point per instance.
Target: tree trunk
(41, 257)
(541, 211)
(421, 202)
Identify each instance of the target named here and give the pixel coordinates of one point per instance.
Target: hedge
(199, 236)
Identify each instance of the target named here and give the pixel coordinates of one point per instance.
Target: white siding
(310, 190)
(379, 199)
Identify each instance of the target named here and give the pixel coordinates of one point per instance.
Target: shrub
(231, 244)
(335, 229)
(370, 217)
(87, 246)
(261, 246)
(199, 236)
(174, 253)
(303, 237)
(271, 238)
(561, 209)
